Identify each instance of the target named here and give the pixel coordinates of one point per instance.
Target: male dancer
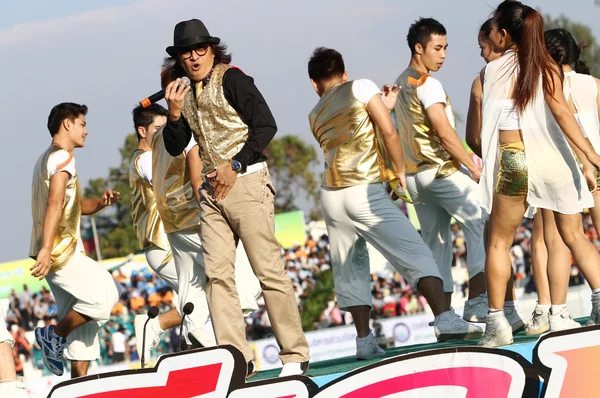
(85, 292)
(171, 196)
(356, 207)
(433, 155)
(153, 240)
(10, 385)
(232, 124)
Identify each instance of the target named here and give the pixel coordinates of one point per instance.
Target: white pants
(155, 256)
(441, 200)
(5, 336)
(189, 261)
(366, 213)
(86, 287)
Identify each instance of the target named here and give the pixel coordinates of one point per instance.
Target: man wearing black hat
(232, 125)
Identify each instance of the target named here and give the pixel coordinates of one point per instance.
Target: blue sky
(107, 54)
(16, 12)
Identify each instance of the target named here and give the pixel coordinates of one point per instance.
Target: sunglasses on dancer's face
(200, 51)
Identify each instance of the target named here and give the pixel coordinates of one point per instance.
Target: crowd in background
(392, 296)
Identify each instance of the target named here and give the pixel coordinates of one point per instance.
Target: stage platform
(340, 366)
(560, 364)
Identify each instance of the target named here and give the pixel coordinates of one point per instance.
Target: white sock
(595, 291)
(555, 309)
(544, 307)
(155, 325)
(364, 338)
(493, 313)
(8, 386)
(509, 304)
(595, 295)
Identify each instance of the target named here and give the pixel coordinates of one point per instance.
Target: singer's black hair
(65, 110)
(143, 117)
(175, 70)
(325, 64)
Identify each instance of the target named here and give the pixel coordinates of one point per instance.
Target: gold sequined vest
(354, 152)
(68, 232)
(146, 220)
(420, 143)
(217, 127)
(173, 190)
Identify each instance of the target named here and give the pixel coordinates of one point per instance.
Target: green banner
(14, 274)
(290, 228)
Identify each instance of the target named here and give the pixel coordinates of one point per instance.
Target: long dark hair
(486, 29)
(526, 29)
(171, 69)
(564, 50)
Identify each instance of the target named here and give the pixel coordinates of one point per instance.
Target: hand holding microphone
(175, 93)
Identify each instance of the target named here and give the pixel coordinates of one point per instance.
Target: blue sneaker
(52, 347)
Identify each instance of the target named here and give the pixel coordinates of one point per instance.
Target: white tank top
(554, 179)
(509, 117)
(582, 89)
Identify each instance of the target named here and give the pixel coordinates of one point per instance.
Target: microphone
(152, 313)
(157, 96)
(188, 308)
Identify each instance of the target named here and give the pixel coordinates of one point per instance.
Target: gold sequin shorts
(595, 170)
(512, 173)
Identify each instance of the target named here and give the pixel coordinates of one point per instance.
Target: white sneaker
(367, 347)
(498, 332)
(200, 338)
(562, 321)
(152, 336)
(515, 319)
(539, 322)
(476, 309)
(449, 326)
(52, 347)
(294, 369)
(14, 389)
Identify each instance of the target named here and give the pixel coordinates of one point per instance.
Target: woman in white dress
(581, 93)
(473, 138)
(527, 159)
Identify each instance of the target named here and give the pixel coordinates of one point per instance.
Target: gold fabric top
(147, 224)
(217, 127)
(420, 143)
(354, 153)
(173, 190)
(68, 233)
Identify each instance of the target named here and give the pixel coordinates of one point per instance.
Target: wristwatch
(236, 166)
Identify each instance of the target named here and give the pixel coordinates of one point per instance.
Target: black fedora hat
(188, 34)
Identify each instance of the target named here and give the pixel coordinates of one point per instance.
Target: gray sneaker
(367, 347)
(515, 319)
(539, 322)
(476, 309)
(450, 326)
(498, 333)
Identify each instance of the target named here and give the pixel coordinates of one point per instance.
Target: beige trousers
(247, 214)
